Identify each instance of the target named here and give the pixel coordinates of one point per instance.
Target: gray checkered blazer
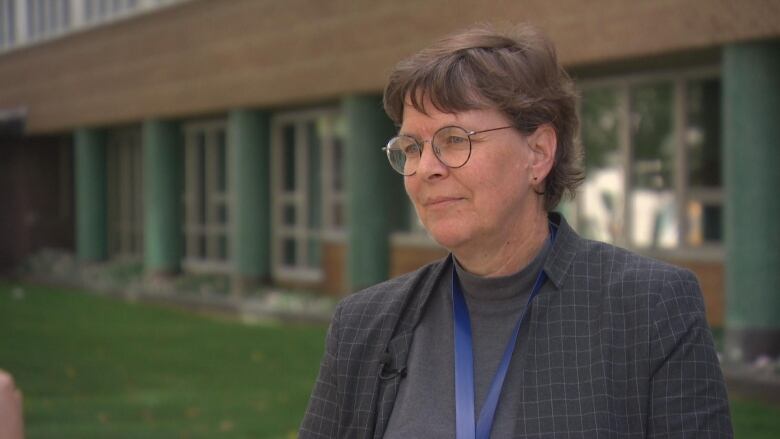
(619, 348)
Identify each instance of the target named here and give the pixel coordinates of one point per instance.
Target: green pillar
(163, 171)
(751, 160)
(91, 208)
(249, 138)
(375, 191)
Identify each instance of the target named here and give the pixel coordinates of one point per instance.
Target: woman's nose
(430, 166)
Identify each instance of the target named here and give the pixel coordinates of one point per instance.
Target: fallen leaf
(226, 425)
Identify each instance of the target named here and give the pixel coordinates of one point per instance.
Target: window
(125, 193)
(602, 195)
(206, 196)
(652, 158)
(703, 212)
(29, 21)
(46, 18)
(96, 11)
(7, 23)
(308, 187)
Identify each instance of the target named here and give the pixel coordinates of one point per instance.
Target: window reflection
(601, 197)
(653, 212)
(702, 146)
(635, 192)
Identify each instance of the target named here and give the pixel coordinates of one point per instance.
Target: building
(243, 137)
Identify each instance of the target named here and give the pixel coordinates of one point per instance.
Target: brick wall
(712, 281)
(206, 56)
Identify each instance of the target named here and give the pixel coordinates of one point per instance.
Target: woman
(526, 330)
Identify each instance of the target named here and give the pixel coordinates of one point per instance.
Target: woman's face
(486, 199)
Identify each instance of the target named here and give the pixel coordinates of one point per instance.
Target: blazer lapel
(400, 342)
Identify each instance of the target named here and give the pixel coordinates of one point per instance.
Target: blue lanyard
(464, 364)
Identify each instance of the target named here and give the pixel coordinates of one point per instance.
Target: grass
(753, 420)
(92, 367)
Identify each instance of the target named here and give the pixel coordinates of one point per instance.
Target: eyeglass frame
(421, 144)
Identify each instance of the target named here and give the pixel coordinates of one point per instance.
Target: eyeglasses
(450, 144)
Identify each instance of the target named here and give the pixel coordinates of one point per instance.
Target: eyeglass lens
(451, 145)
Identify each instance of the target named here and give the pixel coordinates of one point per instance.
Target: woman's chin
(449, 239)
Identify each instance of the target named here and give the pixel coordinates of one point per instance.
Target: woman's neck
(507, 253)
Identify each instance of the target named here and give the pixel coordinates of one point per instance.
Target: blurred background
(222, 157)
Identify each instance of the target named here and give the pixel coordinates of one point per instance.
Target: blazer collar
(562, 253)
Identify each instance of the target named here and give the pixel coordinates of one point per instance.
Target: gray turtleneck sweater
(425, 404)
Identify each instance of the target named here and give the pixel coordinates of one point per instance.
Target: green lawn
(98, 368)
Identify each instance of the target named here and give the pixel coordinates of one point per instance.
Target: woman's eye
(412, 149)
(456, 140)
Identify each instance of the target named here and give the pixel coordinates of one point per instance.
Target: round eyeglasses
(450, 144)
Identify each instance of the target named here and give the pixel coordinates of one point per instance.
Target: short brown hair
(516, 73)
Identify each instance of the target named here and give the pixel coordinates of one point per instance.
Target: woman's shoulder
(587, 262)
(621, 257)
(634, 273)
(623, 260)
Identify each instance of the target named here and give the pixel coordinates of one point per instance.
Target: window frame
(125, 203)
(329, 231)
(192, 230)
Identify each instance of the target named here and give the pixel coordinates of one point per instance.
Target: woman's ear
(543, 143)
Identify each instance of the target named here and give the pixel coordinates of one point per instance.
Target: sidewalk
(208, 294)
(752, 383)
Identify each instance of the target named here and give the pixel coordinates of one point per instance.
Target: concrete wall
(212, 55)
